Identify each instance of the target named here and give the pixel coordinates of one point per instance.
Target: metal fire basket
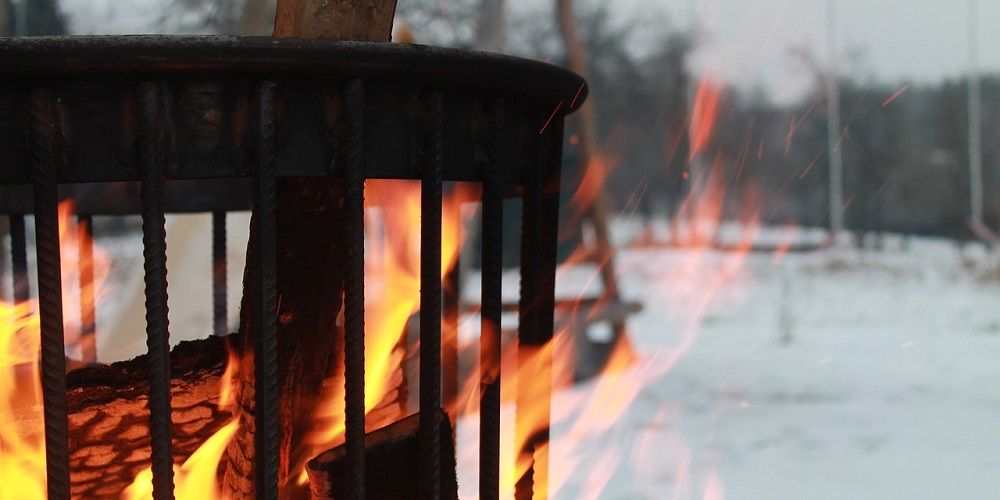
(207, 124)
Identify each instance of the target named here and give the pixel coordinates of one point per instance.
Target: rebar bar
(430, 305)
(266, 345)
(53, 358)
(354, 290)
(489, 337)
(154, 244)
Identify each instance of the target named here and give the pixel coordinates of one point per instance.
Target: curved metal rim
(267, 56)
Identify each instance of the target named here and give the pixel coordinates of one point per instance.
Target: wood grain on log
(109, 418)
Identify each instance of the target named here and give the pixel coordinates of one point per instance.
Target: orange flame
(80, 258)
(694, 283)
(197, 477)
(703, 115)
(392, 296)
(22, 448)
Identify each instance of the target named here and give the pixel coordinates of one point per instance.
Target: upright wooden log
(363, 20)
(310, 272)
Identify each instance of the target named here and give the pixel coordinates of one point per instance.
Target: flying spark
(893, 97)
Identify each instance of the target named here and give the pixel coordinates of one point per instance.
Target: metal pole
(975, 120)
(833, 124)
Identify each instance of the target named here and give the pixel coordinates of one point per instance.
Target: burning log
(392, 458)
(309, 286)
(309, 269)
(108, 415)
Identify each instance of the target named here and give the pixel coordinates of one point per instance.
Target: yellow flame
(22, 449)
(226, 384)
(392, 296)
(22, 434)
(197, 478)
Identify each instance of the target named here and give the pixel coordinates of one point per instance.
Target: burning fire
(576, 416)
(392, 296)
(694, 284)
(197, 477)
(22, 443)
(704, 114)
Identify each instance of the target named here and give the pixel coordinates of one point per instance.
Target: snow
(827, 375)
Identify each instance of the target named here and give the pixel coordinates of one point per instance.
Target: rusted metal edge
(172, 54)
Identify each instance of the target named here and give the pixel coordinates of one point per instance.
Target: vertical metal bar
(19, 258)
(354, 290)
(430, 305)
(220, 326)
(154, 243)
(492, 306)
(538, 267)
(266, 346)
(53, 357)
(549, 223)
(88, 302)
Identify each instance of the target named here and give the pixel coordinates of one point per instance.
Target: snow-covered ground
(828, 375)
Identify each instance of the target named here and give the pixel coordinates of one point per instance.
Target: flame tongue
(392, 296)
(197, 478)
(22, 450)
(22, 443)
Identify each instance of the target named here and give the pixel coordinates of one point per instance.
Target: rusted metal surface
(216, 144)
(206, 86)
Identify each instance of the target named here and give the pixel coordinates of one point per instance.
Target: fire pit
(174, 115)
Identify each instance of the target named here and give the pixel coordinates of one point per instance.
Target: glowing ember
(895, 95)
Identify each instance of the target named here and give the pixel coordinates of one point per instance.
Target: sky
(747, 43)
